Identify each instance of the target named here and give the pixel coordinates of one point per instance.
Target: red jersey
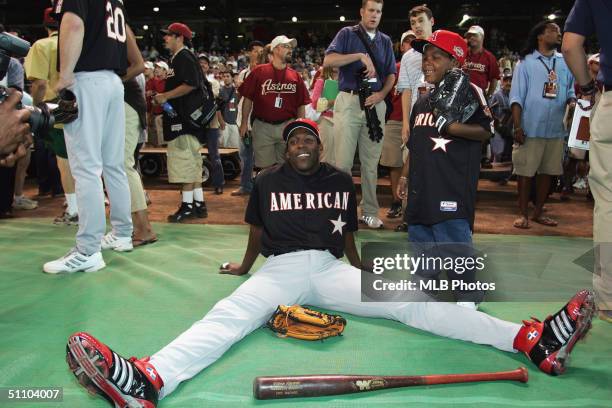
(276, 93)
(482, 68)
(156, 86)
(396, 99)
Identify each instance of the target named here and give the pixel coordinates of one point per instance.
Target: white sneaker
(468, 305)
(119, 244)
(74, 261)
(371, 222)
(22, 203)
(580, 184)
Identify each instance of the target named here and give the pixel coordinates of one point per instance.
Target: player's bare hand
(369, 65)
(160, 98)
(405, 134)
(221, 125)
(232, 268)
(65, 81)
(374, 98)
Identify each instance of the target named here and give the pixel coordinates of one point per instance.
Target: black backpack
(201, 107)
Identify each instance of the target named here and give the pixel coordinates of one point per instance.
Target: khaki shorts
(268, 144)
(184, 160)
(538, 155)
(392, 145)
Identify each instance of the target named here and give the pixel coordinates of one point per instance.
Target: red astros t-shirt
(266, 84)
(482, 68)
(396, 99)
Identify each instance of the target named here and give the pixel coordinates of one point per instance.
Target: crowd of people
(301, 128)
(225, 73)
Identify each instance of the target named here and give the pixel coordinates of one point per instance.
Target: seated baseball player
(302, 217)
(447, 128)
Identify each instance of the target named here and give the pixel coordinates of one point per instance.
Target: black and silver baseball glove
(453, 100)
(67, 109)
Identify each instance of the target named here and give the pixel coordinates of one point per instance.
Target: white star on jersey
(440, 143)
(338, 224)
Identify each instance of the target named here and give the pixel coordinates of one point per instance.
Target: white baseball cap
(476, 29)
(406, 34)
(282, 39)
(149, 65)
(163, 65)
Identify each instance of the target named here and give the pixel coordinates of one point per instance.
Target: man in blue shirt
(590, 17)
(542, 86)
(348, 53)
(500, 107)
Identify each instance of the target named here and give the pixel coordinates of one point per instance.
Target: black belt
(288, 251)
(607, 87)
(277, 122)
(350, 91)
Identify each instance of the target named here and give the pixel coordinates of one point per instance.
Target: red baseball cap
(308, 125)
(451, 43)
(49, 18)
(180, 29)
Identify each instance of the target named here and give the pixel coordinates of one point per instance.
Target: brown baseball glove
(305, 324)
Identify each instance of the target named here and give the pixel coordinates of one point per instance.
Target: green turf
(142, 300)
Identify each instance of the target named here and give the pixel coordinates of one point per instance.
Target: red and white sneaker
(548, 344)
(124, 383)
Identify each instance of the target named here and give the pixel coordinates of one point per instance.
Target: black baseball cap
(306, 124)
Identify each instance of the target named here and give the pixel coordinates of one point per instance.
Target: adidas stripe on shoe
(130, 383)
(548, 344)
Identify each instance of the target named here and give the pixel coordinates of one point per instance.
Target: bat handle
(520, 374)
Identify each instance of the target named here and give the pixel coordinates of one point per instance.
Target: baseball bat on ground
(320, 385)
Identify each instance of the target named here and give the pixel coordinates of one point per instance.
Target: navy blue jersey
(104, 43)
(303, 212)
(444, 170)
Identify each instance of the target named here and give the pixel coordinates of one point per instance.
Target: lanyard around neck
(549, 70)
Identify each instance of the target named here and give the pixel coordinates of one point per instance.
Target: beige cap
(282, 39)
(476, 29)
(406, 34)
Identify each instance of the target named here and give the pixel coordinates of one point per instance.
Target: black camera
(41, 120)
(374, 128)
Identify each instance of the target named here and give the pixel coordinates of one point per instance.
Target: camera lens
(41, 121)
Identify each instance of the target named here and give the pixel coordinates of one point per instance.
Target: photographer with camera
(15, 134)
(10, 77)
(354, 49)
